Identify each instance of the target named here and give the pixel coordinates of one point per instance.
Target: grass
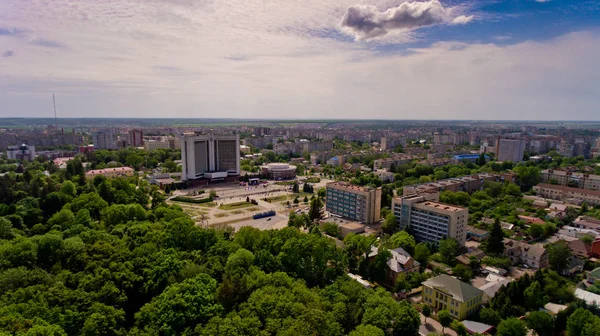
(253, 209)
(221, 215)
(237, 212)
(235, 206)
(277, 198)
(192, 200)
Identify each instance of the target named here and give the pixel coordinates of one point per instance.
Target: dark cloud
(367, 22)
(8, 53)
(7, 31)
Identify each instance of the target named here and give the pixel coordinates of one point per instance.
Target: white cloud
(542, 1)
(463, 19)
(274, 59)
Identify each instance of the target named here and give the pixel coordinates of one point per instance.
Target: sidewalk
(433, 326)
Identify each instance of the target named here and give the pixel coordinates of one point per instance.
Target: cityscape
(458, 227)
(300, 168)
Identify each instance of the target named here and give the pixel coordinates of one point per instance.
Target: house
(465, 259)
(477, 327)
(576, 265)
(491, 288)
(446, 292)
(476, 234)
(554, 308)
(531, 220)
(401, 262)
(596, 247)
(594, 275)
(531, 255)
(109, 172)
(579, 248)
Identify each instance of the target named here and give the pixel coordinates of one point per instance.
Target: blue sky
(390, 59)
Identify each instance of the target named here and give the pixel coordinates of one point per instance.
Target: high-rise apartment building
(21, 153)
(361, 204)
(104, 139)
(571, 179)
(429, 220)
(210, 156)
(510, 149)
(136, 138)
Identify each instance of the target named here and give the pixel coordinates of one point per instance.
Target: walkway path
(433, 326)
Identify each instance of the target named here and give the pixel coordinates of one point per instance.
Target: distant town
(472, 227)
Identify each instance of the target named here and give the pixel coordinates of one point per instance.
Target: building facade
(21, 153)
(109, 172)
(279, 171)
(361, 204)
(571, 179)
(446, 292)
(155, 144)
(104, 139)
(135, 138)
(531, 255)
(571, 195)
(429, 220)
(510, 149)
(210, 156)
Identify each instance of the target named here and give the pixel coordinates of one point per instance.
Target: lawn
(221, 214)
(235, 206)
(277, 198)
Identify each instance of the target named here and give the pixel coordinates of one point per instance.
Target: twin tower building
(210, 158)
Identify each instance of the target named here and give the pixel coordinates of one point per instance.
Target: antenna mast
(55, 119)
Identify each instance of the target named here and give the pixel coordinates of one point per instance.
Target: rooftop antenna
(55, 119)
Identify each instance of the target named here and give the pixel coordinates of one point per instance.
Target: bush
(192, 200)
(497, 262)
(331, 229)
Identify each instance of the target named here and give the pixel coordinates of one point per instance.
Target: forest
(110, 257)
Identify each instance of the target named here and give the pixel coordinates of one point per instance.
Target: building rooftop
(428, 205)
(477, 327)
(349, 187)
(569, 189)
(107, 170)
(461, 291)
(589, 297)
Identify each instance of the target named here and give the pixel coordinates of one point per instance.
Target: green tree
(541, 322)
(426, 311)
(316, 209)
(366, 330)
(422, 254)
(495, 243)
(592, 328)
(180, 306)
(390, 224)
(295, 188)
(533, 296)
(332, 229)
(296, 200)
(444, 318)
(462, 272)
(536, 231)
(5, 229)
(512, 327)
(68, 188)
(448, 249)
(577, 321)
(559, 256)
(489, 316)
(212, 193)
(402, 239)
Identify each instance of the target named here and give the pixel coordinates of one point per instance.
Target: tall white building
(510, 149)
(21, 153)
(104, 139)
(210, 156)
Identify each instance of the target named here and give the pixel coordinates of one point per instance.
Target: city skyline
(364, 60)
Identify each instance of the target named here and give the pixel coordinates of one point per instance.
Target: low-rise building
(449, 293)
(400, 262)
(109, 172)
(571, 179)
(476, 234)
(572, 195)
(278, 171)
(533, 256)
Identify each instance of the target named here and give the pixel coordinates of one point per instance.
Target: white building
(210, 156)
(21, 153)
(510, 149)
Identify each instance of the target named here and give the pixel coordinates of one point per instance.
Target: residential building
(429, 220)
(109, 172)
(571, 179)
(361, 204)
(210, 156)
(400, 262)
(589, 297)
(594, 275)
(135, 138)
(317, 146)
(476, 234)
(21, 153)
(510, 149)
(571, 195)
(467, 184)
(579, 248)
(449, 293)
(587, 223)
(104, 139)
(150, 145)
(519, 252)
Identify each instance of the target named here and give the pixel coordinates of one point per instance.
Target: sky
(301, 59)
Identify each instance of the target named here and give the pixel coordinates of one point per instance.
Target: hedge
(191, 200)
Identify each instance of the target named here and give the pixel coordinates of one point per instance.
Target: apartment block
(210, 156)
(568, 194)
(468, 184)
(361, 204)
(109, 172)
(21, 153)
(571, 179)
(104, 139)
(510, 149)
(135, 138)
(449, 293)
(429, 220)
